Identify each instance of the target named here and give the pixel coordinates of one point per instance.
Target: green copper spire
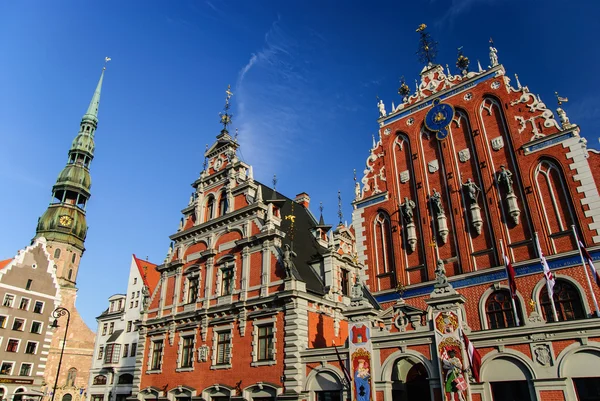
(64, 220)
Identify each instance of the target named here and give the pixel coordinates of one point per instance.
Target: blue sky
(305, 76)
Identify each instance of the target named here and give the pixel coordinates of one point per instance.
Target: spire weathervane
(427, 46)
(462, 61)
(106, 60)
(561, 100)
(225, 115)
(275, 184)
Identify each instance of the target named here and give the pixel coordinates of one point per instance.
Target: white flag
(550, 280)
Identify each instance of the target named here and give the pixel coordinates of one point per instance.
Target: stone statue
(145, 297)
(493, 56)
(382, 112)
(407, 210)
(564, 120)
(357, 290)
(472, 190)
(436, 203)
(440, 274)
(505, 178)
(288, 264)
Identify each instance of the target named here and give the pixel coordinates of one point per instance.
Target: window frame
(41, 327)
(187, 351)
(18, 340)
(230, 280)
(28, 303)
(23, 323)
(503, 314)
(35, 343)
(546, 306)
(3, 323)
(12, 367)
(42, 309)
(154, 361)
(11, 303)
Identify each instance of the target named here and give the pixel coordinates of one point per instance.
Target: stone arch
(260, 390)
(331, 375)
(217, 390)
(571, 358)
(18, 393)
(209, 207)
(388, 365)
(542, 283)
(484, 297)
(150, 393)
(181, 392)
(383, 243)
(509, 359)
(67, 397)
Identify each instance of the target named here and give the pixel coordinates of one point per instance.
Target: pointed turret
(64, 221)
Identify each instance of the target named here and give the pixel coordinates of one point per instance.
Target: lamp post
(56, 314)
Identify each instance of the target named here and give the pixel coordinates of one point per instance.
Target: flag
(342, 364)
(107, 59)
(590, 263)
(563, 99)
(474, 358)
(510, 271)
(550, 280)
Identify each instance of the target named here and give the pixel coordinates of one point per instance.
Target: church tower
(63, 223)
(64, 227)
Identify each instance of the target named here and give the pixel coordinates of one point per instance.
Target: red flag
(510, 271)
(474, 358)
(590, 262)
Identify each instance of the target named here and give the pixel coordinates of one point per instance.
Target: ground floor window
(329, 395)
(587, 388)
(517, 390)
(97, 397)
(122, 397)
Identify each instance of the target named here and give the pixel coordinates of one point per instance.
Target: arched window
(18, 396)
(71, 376)
(384, 254)
(67, 397)
(554, 197)
(70, 274)
(73, 257)
(499, 310)
(125, 379)
(57, 253)
(566, 300)
(210, 206)
(100, 379)
(223, 204)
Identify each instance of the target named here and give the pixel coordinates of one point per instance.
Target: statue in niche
(407, 210)
(357, 291)
(440, 274)
(436, 203)
(472, 190)
(288, 264)
(505, 178)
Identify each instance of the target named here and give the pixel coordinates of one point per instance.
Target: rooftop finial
(427, 46)
(225, 115)
(403, 90)
(106, 60)
(275, 184)
(205, 158)
(236, 135)
(462, 61)
(92, 111)
(560, 100)
(493, 54)
(340, 214)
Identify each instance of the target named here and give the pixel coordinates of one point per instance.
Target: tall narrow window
(223, 203)
(57, 253)
(265, 343)
(157, 350)
(193, 283)
(344, 281)
(384, 254)
(227, 281)
(210, 206)
(499, 310)
(554, 197)
(187, 351)
(566, 300)
(71, 376)
(223, 348)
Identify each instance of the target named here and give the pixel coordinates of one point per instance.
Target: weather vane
(462, 61)
(340, 215)
(225, 115)
(106, 60)
(427, 46)
(561, 100)
(205, 158)
(275, 184)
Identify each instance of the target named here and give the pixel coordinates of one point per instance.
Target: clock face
(438, 118)
(65, 221)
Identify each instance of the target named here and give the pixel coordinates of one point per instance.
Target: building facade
(250, 282)
(29, 291)
(254, 292)
(113, 364)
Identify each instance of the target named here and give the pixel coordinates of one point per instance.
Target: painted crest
(361, 362)
(404, 176)
(387, 131)
(464, 155)
(446, 322)
(433, 166)
(497, 143)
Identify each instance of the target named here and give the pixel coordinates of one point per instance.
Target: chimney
(303, 199)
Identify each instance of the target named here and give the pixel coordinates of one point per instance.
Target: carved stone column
(513, 207)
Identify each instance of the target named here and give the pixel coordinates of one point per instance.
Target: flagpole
(512, 296)
(585, 269)
(550, 290)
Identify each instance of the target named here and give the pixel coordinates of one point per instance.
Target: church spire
(63, 224)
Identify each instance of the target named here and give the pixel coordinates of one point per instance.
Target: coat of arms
(404, 176)
(497, 143)
(433, 166)
(464, 155)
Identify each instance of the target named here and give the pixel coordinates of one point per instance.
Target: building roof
(4, 263)
(148, 272)
(305, 244)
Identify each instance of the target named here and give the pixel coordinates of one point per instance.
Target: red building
(255, 291)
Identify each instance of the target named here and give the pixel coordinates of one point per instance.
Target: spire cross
(340, 214)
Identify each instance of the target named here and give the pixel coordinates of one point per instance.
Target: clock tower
(63, 223)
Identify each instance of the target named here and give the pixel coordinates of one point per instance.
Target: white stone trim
(486, 294)
(216, 331)
(272, 321)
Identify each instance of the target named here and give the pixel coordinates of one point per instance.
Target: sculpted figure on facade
(493, 56)
(436, 203)
(288, 264)
(407, 210)
(440, 274)
(381, 106)
(505, 178)
(472, 190)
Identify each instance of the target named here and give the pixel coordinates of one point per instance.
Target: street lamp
(56, 314)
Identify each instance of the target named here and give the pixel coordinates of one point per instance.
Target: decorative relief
(543, 355)
(497, 143)
(468, 96)
(433, 166)
(404, 176)
(203, 353)
(410, 121)
(495, 85)
(464, 155)
(218, 164)
(387, 131)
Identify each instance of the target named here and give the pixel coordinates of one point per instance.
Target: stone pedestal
(476, 220)
(443, 227)
(411, 235)
(513, 207)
